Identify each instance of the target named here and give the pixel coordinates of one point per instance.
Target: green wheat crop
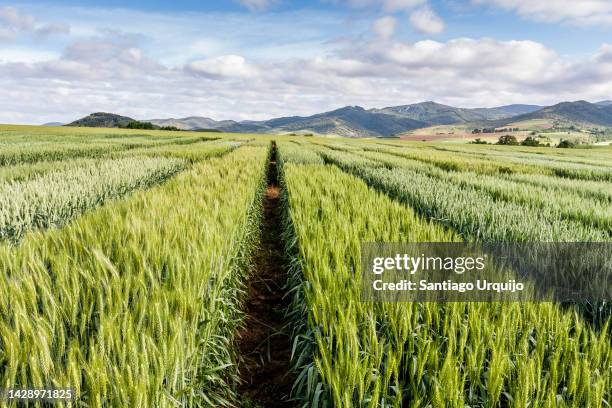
(136, 303)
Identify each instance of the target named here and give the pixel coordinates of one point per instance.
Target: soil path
(264, 344)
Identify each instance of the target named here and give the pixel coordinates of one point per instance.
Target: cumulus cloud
(382, 72)
(426, 21)
(50, 29)
(384, 27)
(13, 23)
(118, 72)
(12, 18)
(581, 12)
(223, 67)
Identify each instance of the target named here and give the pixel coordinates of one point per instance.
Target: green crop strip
(466, 209)
(481, 162)
(136, 303)
(549, 202)
(57, 196)
(16, 153)
(351, 353)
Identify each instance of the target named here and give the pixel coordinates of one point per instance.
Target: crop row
(466, 209)
(191, 152)
(550, 202)
(61, 192)
(592, 157)
(136, 303)
(458, 160)
(57, 197)
(350, 353)
(508, 171)
(33, 152)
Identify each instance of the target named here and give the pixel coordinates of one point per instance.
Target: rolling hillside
(355, 121)
(580, 113)
(437, 114)
(192, 122)
(102, 119)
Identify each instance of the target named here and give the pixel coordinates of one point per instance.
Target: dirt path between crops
(264, 344)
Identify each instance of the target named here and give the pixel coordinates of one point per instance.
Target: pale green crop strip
(296, 154)
(27, 171)
(136, 303)
(601, 190)
(57, 197)
(474, 213)
(551, 204)
(593, 158)
(48, 151)
(360, 354)
(457, 160)
(574, 170)
(192, 151)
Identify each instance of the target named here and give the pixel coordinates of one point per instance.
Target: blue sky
(255, 59)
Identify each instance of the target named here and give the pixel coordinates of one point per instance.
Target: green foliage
(507, 140)
(136, 304)
(139, 125)
(136, 299)
(472, 208)
(352, 353)
(566, 144)
(56, 197)
(531, 141)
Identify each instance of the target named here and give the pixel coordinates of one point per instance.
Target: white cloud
(241, 71)
(226, 66)
(426, 21)
(384, 27)
(13, 23)
(53, 29)
(581, 12)
(12, 18)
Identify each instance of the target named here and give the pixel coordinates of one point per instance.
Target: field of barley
(127, 260)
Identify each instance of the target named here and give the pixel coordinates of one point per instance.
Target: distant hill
(507, 111)
(102, 119)
(355, 121)
(53, 124)
(437, 114)
(350, 121)
(190, 123)
(578, 113)
(434, 113)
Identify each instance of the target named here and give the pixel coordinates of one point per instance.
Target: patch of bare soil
(264, 342)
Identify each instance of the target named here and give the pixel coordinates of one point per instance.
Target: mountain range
(355, 121)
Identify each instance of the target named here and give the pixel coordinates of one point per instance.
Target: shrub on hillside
(139, 125)
(566, 144)
(507, 140)
(531, 141)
